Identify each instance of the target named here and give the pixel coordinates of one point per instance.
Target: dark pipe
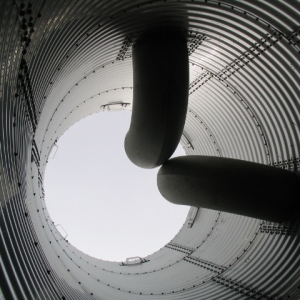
(160, 97)
(230, 185)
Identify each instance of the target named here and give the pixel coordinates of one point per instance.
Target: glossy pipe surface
(230, 185)
(160, 97)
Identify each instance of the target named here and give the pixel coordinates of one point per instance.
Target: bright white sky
(110, 208)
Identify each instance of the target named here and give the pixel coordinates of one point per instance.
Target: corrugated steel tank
(63, 60)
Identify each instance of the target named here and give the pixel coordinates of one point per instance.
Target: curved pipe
(230, 185)
(160, 97)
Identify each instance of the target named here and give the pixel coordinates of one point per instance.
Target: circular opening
(108, 207)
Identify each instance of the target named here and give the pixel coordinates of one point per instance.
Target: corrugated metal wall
(62, 60)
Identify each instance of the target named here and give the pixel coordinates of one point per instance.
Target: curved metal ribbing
(66, 59)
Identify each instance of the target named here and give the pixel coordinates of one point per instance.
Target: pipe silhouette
(160, 97)
(230, 185)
